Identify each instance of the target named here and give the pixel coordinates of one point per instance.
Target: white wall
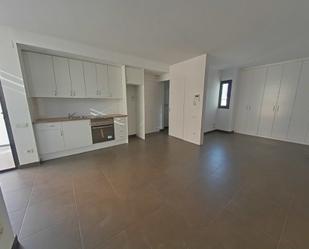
(225, 117)
(154, 103)
(187, 81)
(7, 237)
(4, 139)
(132, 108)
(13, 84)
(55, 107)
(211, 98)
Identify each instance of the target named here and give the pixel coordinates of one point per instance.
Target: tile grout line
(77, 213)
(111, 184)
(285, 223)
(28, 203)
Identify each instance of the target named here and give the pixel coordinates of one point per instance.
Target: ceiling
(234, 32)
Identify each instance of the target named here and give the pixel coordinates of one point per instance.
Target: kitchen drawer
(48, 126)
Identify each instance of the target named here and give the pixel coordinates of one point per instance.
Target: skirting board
(92, 147)
(217, 130)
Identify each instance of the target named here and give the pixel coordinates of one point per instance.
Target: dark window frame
(229, 91)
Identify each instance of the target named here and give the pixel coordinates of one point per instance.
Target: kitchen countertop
(82, 117)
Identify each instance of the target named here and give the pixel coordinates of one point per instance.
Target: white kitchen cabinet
(76, 134)
(62, 76)
(40, 74)
(134, 76)
(299, 123)
(77, 78)
(49, 137)
(90, 75)
(102, 81)
(250, 98)
(115, 81)
(269, 105)
(288, 87)
(121, 130)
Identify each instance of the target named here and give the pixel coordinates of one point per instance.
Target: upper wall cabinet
(54, 76)
(90, 73)
(134, 76)
(115, 81)
(102, 81)
(40, 74)
(62, 76)
(77, 78)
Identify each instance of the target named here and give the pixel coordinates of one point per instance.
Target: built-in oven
(102, 130)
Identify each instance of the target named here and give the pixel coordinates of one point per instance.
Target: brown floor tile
(235, 191)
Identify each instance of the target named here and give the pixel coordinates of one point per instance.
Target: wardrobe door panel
(242, 106)
(299, 123)
(289, 81)
(271, 92)
(255, 96)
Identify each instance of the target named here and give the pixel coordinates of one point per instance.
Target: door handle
(274, 108)
(277, 108)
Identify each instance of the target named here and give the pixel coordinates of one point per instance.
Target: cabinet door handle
(277, 108)
(274, 108)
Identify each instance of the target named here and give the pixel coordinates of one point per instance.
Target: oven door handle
(101, 126)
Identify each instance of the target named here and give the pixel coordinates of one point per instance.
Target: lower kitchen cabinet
(76, 134)
(60, 136)
(49, 137)
(120, 126)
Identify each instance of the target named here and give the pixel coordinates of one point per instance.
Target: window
(225, 94)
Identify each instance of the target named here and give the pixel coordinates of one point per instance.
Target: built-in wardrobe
(273, 101)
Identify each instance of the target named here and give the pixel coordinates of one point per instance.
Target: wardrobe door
(299, 123)
(242, 106)
(270, 97)
(289, 81)
(255, 96)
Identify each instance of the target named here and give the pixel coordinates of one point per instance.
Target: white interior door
(289, 81)
(62, 76)
(4, 139)
(299, 123)
(271, 92)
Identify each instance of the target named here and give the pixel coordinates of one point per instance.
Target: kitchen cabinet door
(289, 82)
(49, 138)
(299, 123)
(77, 78)
(62, 76)
(40, 74)
(254, 93)
(102, 81)
(90, 75)
(134, 76)
(271, 92)
(115, 81)
(77, 134)
(121, 130)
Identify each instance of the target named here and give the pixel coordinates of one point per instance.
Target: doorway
(166, 97)
(8, 156)
(136, 110)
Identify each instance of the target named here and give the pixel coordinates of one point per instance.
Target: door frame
(8, 129)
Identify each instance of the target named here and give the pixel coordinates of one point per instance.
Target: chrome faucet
(72, 115)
